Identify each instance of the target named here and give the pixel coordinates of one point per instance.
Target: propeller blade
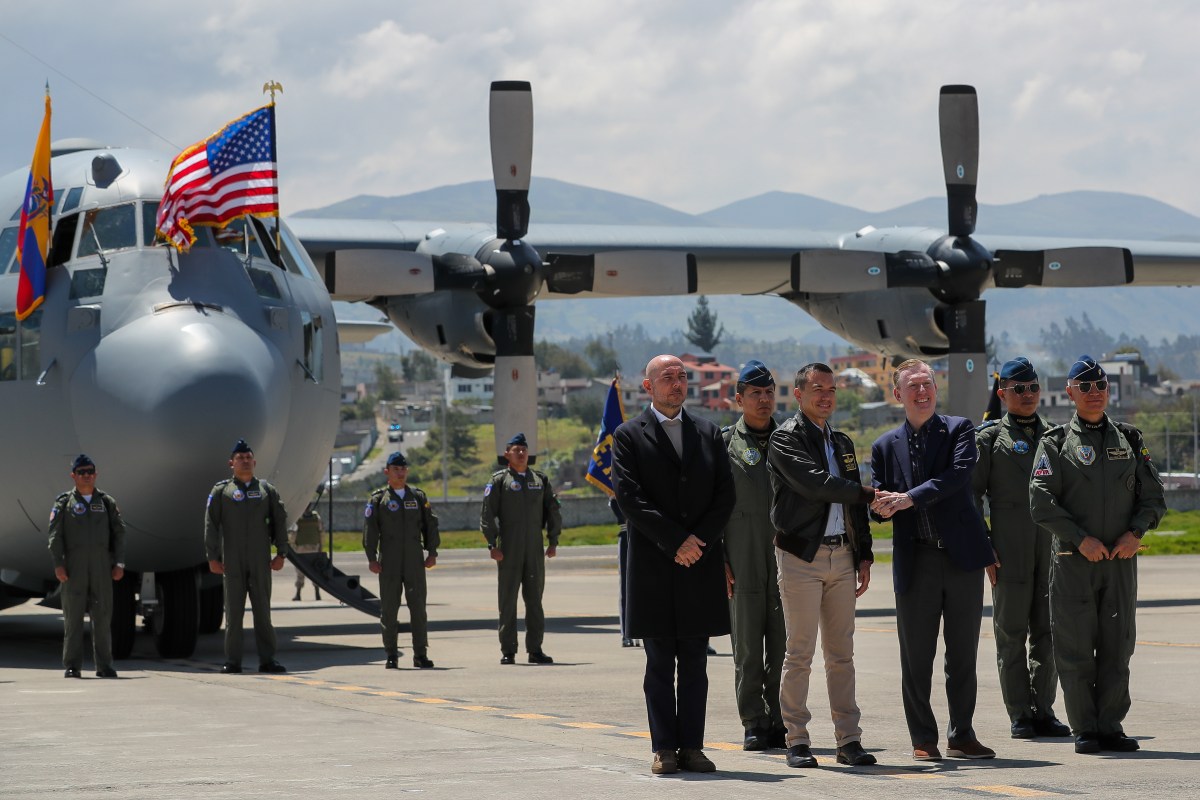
(965, 326)
(511, 122)
(359, 274)
(958, 118)
(631, 273)
(840, 271)
(514, 383)
(1064, 267)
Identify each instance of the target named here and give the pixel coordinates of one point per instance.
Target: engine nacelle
(451, 324)
(895, 322)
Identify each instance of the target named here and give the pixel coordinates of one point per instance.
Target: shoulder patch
(1042, 468)
(487, 490)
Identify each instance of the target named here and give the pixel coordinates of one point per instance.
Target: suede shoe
(272, 667)
(664, 763)
(755, 739)
(72, 672)
(230, 668)
(540, 658)
(1050, 727)
(800, 756)
(1119, 743)
(421, 662)
(852, 753)
(926, 752)
(508, 658)
(972, 749)
(107, 672)
(694, 760)
(1087, 743)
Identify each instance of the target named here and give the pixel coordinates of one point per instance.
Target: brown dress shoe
(926, 752)
(664, 762)
(971, 749)
(694, 760)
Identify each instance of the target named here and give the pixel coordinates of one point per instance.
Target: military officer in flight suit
(750, 574)
(399, 524)
(244, 517)
(87, 542)
(1021, 581)
(1095, 488)
(517, 505)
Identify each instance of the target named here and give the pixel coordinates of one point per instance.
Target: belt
(935, 544)
(834, 541)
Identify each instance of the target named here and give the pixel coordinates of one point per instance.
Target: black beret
(755, 373)
(1085, 368)
(1019, 369)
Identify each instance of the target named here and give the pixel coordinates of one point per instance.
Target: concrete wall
(462, 513)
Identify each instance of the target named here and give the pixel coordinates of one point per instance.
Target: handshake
(886, 504)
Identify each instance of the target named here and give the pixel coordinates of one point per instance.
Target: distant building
(852, 368)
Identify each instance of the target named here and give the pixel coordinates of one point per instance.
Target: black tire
(177, 617)
(124, 615)
(212, 608)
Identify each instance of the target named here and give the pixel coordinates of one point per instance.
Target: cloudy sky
(690, 103)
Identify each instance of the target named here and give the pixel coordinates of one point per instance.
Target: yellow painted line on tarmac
(588, 725)
(638, 734)
(916, 776)
(431, 700)
(1014, 791)
(722, 746)
(1168, 644)
(311, 682)
(478, 708)
(390, 694)
(284, 678)
(348, 688)
(530, 716)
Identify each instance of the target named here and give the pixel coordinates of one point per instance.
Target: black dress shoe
(273, 667)
(72, 672)
(755, 739)
(1119, 743)
(712, 651)
(1024, 729)
(777, 739)
(1087, 743)
(852, 753)
(230, 668)
(1050, 727)
(391, 662)
(508, 658)
(107, 672)
(540, 658)
(800, 756)
(421, 662)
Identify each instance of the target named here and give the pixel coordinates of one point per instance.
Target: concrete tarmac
(339, 725)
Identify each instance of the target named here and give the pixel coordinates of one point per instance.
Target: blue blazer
(950, 457)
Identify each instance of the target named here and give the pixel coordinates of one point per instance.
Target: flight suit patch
(1085, 453)
(1118, 453)
(393, 505)
(1020, 447)
(98, 506)
(369, 510)
(254, 495)
(534, 485)
(514, 487)
(53, 512)
(1130, 482)
(79, 509)
(849, 462)
(239, 495)
(1042, 468)
(751, 456)
(487, 490)
(410, 504)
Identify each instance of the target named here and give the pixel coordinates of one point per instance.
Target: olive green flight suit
(1021, 596)
(395, 530)
(240, 525)
(88, 539)
(1099, 482)
(515, 510)
(757, 613)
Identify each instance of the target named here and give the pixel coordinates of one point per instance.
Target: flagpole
(272, 87)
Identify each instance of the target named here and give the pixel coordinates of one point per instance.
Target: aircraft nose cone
(175, 393)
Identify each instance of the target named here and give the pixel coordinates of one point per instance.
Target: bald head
(666, 383)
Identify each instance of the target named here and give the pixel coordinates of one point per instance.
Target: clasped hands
(690, 551)
(886, 504)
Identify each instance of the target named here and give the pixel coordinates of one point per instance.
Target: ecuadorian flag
(599, 471)
(33, 236)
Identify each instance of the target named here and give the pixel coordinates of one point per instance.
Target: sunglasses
(1086, 386)
(1022, 388)
(83, 472)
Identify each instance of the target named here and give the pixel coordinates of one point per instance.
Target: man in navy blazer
(922, 474)
(675, 487)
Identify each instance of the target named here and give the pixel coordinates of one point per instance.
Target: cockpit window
(239, 238)
(293, 256)
(149, 223)
(8, 249)
(264, 283)
(71, 199)
(106, 229)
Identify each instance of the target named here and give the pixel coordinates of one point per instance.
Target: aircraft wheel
(124, 615)
(177, 617)
(212, 608)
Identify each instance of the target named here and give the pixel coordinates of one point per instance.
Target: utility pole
(445, 469)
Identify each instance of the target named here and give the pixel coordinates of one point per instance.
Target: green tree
(602, 357)
(588, 409)
(703, 327)
(460, 446)
(419, 366)
(385, 382)
(551, 357)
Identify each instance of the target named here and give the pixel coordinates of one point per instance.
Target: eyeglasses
(85, 472)
(1022, 388)
(1086, 386)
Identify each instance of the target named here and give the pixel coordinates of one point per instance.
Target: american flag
(215, 181)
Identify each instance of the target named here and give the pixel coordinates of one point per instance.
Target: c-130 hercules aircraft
(154, 362)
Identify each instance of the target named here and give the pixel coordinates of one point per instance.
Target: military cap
(755, 373)
(1085, 368)
(240, 447)
(82, 460)
(397, 459)
(1019, 369)
(519, 439)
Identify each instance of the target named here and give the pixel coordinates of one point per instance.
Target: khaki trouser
(820, 594)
